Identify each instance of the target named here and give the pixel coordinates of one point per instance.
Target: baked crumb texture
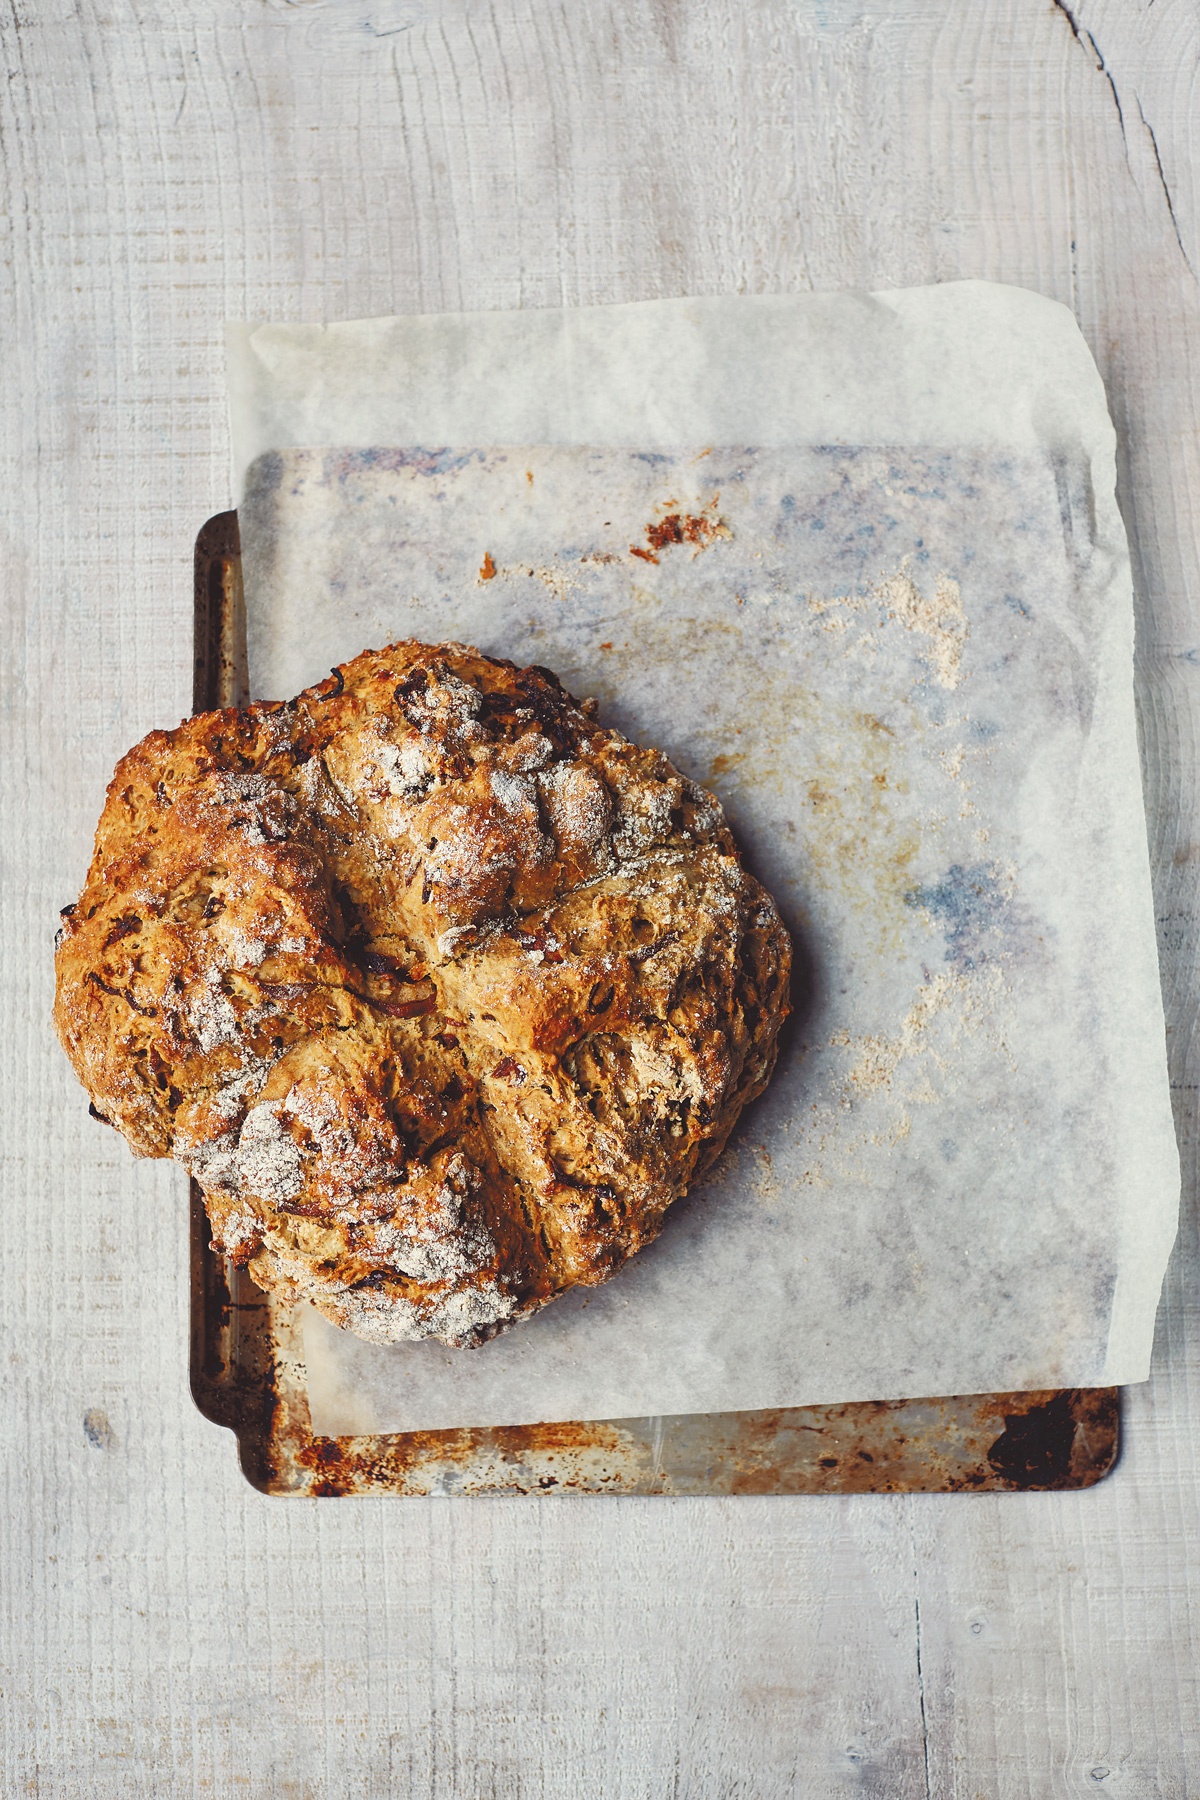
(441, 992)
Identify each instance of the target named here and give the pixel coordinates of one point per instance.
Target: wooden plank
(162, 1628)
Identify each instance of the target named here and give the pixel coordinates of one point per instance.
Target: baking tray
(247, 1359)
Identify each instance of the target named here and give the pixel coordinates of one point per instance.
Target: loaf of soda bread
(440, 990)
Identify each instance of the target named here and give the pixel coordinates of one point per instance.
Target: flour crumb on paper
(939, 617)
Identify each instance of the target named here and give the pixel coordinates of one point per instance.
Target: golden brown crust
(442, 992)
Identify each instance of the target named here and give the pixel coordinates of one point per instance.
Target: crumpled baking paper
(855, 563)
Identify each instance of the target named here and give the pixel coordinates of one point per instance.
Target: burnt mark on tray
(1034, 1451)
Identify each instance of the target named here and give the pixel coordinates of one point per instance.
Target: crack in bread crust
(441, 991)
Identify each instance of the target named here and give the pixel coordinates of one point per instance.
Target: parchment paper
(904, 662)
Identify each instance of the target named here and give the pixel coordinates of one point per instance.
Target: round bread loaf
(442, 992)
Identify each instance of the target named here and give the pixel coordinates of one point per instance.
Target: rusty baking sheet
(247, 1364)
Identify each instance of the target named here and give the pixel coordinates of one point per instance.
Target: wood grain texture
(163, 1629)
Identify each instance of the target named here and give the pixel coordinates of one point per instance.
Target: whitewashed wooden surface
(168, 163)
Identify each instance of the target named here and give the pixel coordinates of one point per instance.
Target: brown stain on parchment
(859, 839)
